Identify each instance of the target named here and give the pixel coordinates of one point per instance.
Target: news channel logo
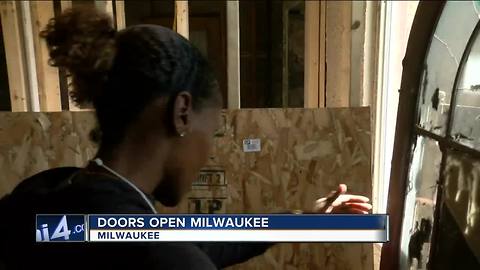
(60, 228)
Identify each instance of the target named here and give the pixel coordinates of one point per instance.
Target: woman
(157, 103)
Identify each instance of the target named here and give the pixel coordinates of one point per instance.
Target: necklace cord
(100, 163)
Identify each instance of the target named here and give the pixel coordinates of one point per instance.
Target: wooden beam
(322, 76)
(312, 57)
(233, 54)
(357, 46)
(423, 26)
(105, 6)
(373, 80)
(64, 5)
(15, 58)
(371, 47)
(285, 23)
(338, 50)
(47, 76)
(120, 14)
(181, 18)
(29, 47)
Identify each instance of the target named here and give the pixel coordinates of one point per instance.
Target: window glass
(420, 203)
(458, 244)
(466, 119)
(442, 62)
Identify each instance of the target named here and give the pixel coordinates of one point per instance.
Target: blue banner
(239, 222)
(60, 228)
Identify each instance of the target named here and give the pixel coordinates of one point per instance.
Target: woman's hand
(340, 203)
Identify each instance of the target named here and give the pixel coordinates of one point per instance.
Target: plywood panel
(338, 51)
(304, 154)
(32, 142)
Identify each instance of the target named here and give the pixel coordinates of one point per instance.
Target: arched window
(434, 198)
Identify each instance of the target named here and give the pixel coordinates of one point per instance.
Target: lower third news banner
(247, 228)
(214, 228)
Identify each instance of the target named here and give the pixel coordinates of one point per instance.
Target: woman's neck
(143, 166)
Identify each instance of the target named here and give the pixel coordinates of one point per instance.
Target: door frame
(423, 27)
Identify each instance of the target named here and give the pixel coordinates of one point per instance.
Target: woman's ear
(182, 113)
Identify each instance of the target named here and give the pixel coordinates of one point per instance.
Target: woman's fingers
(323, 204)
(339, 202)
(349, 207)
(354, 198)
(361, 206)
(354, 211)
(342, 188)
(337, 193)
(349, 199)
(347, 210)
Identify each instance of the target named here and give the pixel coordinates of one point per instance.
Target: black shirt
(56, 191)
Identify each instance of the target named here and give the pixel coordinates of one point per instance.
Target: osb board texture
(33, 142)
(304, 154)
